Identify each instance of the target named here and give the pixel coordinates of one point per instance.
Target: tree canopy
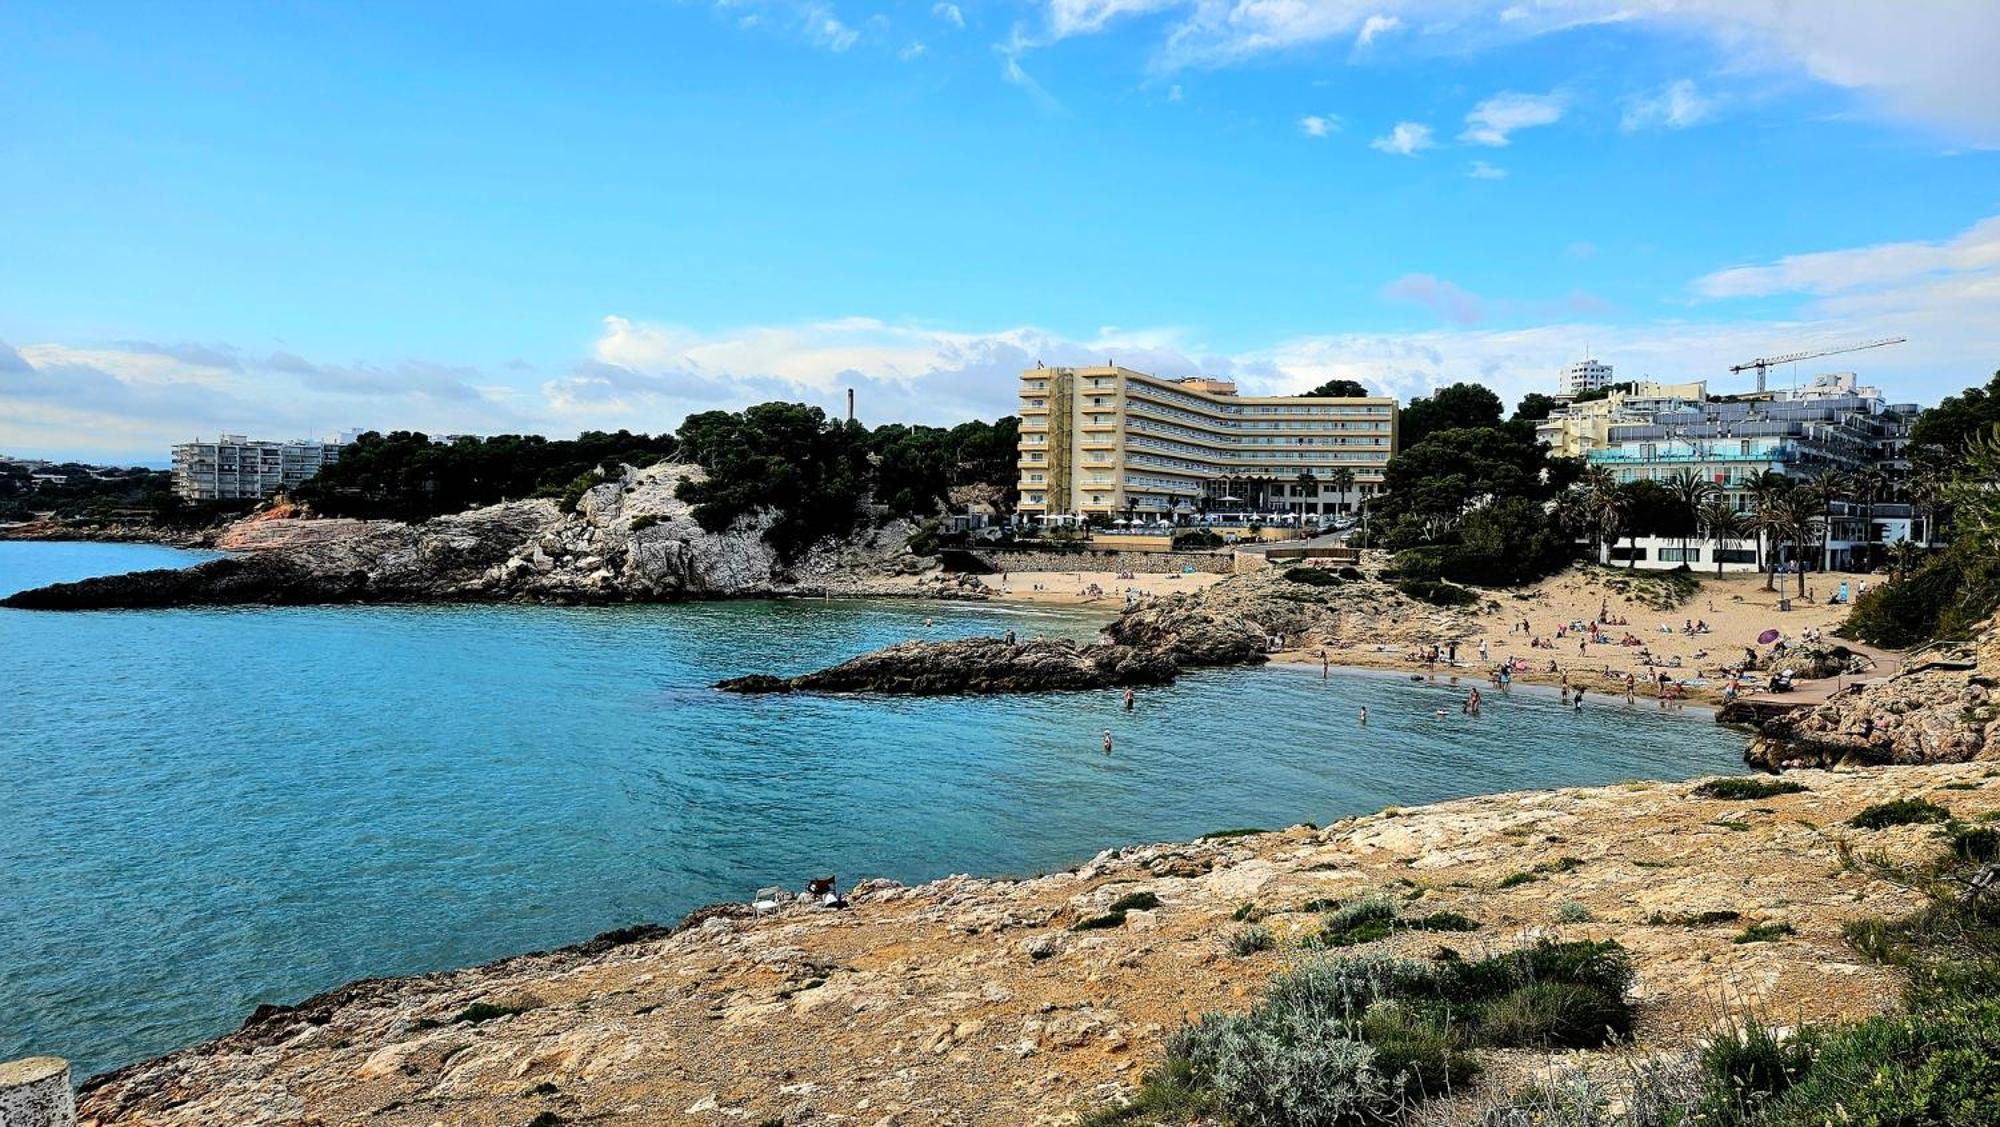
(1475, 505)
(1337, 389)
(1940, 435)
(1456, 407)
(403, 475)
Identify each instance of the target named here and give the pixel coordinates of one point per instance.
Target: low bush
(1974, 844)
(1899, 812)
(1747, 788)
(1573, 912)
(1765, 932)
(480, 1012)
(1250, 940)
(1218, 835)
(1312, 577)
(1694, 919)
(1746, 1065)
(1437, 592)
(1142, 901)
(1515, 880)
(1553, 1015)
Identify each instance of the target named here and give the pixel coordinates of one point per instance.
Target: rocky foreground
(975, 1001)
(628, 540)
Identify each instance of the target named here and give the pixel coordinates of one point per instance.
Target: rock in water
(975, 665)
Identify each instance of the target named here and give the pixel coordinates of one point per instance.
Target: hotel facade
(235, 468)
(1112, 442)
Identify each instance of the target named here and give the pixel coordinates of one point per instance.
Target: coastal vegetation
(102, 494)
(812, 475)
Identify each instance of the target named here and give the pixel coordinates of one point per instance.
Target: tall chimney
(850, 404)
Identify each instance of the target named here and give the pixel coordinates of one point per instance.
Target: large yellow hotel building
(1113, 441)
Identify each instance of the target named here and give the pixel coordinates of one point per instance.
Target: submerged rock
(974, 665)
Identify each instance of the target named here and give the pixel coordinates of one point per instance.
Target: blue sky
(294, 218)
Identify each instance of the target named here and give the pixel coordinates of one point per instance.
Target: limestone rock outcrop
(975, 665)
(1945, 708)
(630, 539)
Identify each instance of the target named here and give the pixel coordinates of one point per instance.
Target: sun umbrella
(1767, 637)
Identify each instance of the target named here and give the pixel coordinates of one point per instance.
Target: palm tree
(1691, 491)
(1904, 555)
(1342, 479)
(1721, 523)
(1873, 484)
(1309, 483)
(1802, 513)
(1603, 506)
(1767, 496)
(1826, 487)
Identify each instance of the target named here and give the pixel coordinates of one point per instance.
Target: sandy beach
(1735, 608)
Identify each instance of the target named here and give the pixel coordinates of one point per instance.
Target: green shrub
(551, 1119)
(1437, 592)
(1573, 912)
(1938, 1065)
(1250, 940)
(1218, 835)
(1142, 901)
(1515, 880)
(1247, 912)
(480, 1012)
(1973, 843)
(1899, 812)
(1745, 788)
(1439, 921)
(1745, 1066)
(1694, 919)
(1765, 932)
(1559, 865)
(1099, 923)
(1312, 577)
(1552, 1015)
(1168, 1094)
(644, 521)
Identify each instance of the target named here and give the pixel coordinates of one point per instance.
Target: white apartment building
(1113, 442)
(1584, 375)
(235, 468)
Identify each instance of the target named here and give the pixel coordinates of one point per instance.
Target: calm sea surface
(204, 810)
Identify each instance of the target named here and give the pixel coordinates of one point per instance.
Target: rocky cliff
(980, 1001)
(629, 539)
(1942, 708)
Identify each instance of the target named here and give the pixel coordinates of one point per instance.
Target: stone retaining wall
(1099, 559)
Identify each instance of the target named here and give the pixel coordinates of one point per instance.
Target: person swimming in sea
(1364, 714)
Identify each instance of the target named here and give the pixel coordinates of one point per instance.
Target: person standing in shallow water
(1131, 699)
(1107, 741)
(1364, 714)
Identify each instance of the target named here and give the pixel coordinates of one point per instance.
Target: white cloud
(949, 13)
(1675, 106)
(1318, 125)
(830, 33)
(1375, 26)
(1493, 121)
(1929, 62)
(1974, 252)
(1481, 170)
(1408, 138)
(915, 50)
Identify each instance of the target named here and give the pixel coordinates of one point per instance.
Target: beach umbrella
(1767, 637)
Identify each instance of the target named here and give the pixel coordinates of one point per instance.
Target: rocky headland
(987, 1001)
(630, 539)
(1944, 707)
(1238, 621)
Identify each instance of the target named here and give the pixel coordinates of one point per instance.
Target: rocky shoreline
(629, 540)
(982, 1001)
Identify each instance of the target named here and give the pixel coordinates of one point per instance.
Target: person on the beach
(1107, 741)
(1130, 699)
(1631, 683)
(1482, 649)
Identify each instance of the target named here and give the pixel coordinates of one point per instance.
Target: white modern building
(236, 468)
(1584, 375)
(1656, 432)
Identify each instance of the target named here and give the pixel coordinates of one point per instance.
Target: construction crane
(1763, 365)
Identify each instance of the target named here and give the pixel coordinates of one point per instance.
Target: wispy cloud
(1374, 27)
(949, 13)
(914, 51)
(1480, 170)
(1318, 125)
(1494, 121)
(1677, 105)
(1407, 139)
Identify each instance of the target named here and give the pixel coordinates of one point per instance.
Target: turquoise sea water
(204, 810)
